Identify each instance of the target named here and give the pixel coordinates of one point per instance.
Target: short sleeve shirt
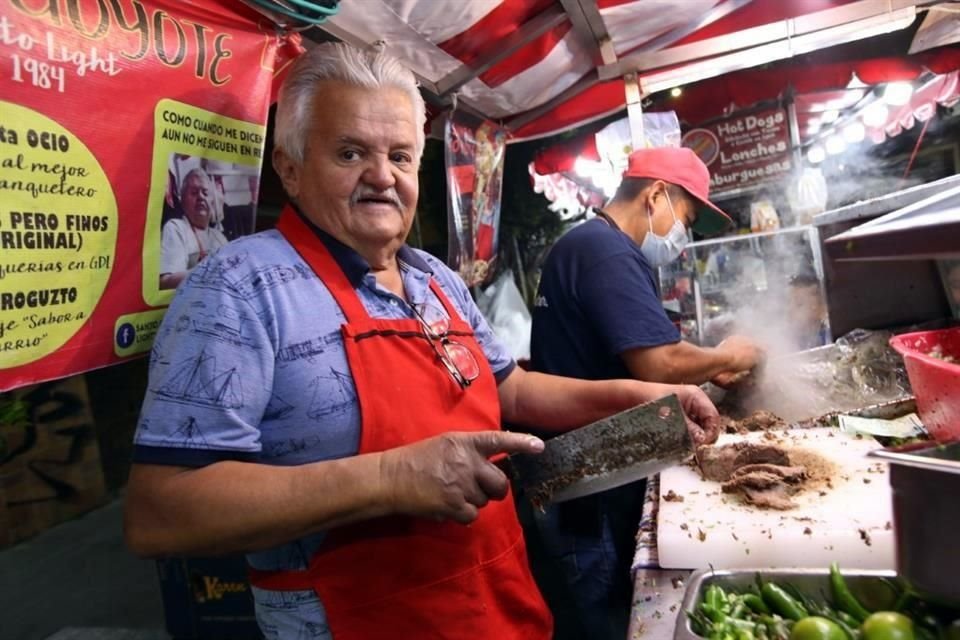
(597, 298)
(249, 364)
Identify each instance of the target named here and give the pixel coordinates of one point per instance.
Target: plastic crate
(935, 381)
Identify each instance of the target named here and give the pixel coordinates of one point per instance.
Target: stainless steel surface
(859, 293)
(859, 375)
(943, 458)
(867, 209)
(927, 229)
(926, 486)
(872, 588)
(608, 453)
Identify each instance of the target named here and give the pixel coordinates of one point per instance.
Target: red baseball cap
(682, 167)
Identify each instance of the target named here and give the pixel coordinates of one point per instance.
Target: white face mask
(661, 250)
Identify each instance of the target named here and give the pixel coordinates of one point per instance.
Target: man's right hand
(450, 477)
(744, 356)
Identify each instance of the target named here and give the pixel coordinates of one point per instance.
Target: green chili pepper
(756, 603)
(782, 602)
(713, 613)
(845, 600)
(714, 596)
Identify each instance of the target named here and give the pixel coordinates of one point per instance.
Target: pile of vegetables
(772, 611)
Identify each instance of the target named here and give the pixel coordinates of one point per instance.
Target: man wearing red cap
(598, 315)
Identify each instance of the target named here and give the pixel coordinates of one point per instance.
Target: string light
(898, 93)
(854, 132)
(875, 115)
(835, 145)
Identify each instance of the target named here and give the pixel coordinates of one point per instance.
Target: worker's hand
(703, 420)
(744, 353)
(744, 357)
(450, 476)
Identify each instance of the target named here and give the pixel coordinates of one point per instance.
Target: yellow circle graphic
(58, 233)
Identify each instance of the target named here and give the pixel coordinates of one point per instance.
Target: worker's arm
(233, 506)
(685, 363)
(557, 403)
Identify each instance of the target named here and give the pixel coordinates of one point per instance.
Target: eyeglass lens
(434, 319)
(462, 359)
(436, 323)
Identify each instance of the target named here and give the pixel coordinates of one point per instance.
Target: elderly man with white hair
(187, 240)
(338, 426)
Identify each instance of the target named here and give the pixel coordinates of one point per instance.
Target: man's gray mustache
(389, 194)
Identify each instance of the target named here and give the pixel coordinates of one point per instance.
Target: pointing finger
(489, 443)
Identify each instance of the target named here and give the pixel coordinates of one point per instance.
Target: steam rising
(776, 299)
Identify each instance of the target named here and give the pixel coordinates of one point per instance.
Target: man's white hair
(199, 174)
(336, 61)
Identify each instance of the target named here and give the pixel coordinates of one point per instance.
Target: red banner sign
(744, 150)
(119, 121)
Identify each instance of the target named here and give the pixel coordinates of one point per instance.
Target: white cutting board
(713, 529)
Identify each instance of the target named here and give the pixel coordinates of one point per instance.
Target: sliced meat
(790, 475)
(761, 454)
(773, 498)
(757, 421)
(754, 480)
(760, 420)
(719, 462)
(762, 488)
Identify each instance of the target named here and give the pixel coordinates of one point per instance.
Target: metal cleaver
(605, 454)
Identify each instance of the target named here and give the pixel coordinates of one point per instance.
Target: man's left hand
(703, 419)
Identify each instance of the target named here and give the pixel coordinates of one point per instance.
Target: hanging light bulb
(898, 93)
(829, 116)
(586, 168)
(675, 92)
(816, 154)
(835, 145)
(854, 132)
(875, 115)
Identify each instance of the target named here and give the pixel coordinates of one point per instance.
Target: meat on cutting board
(760, 473)
(760, 420)
(767, 486)
(719, 462)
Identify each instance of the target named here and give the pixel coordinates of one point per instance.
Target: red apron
(405, 577)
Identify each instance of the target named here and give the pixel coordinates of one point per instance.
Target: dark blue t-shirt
(597, 298)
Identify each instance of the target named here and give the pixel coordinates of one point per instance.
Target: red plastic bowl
(935, 382)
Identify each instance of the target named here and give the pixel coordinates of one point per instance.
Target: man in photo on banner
(339, 429)
(187, 240)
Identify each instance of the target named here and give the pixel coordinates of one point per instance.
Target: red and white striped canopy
(541, 66)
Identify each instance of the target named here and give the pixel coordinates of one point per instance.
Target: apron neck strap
(304, 239)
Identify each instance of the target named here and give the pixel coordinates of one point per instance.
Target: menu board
(744, 150)
(109, 111)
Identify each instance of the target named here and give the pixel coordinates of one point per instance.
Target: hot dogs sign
(743, 150)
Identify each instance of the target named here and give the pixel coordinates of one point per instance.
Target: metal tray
(872, 588)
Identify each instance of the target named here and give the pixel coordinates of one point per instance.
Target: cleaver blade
(605, 454)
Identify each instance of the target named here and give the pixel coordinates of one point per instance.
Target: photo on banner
(203, 191)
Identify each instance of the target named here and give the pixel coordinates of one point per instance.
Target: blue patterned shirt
(249, 365)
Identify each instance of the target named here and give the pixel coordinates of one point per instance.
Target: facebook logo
(125, 335)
